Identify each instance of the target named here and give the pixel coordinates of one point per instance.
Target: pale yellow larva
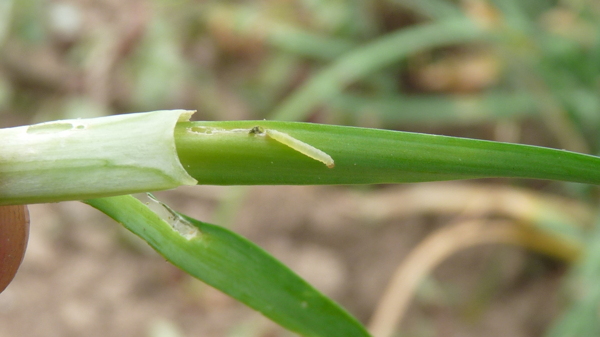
(300, 146)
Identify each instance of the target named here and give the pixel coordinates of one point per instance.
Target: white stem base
(88, 158)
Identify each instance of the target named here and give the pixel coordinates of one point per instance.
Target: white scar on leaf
(300, 146)
(176, 221)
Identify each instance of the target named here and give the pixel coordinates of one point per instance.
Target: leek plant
(103, 160)
(546, 55)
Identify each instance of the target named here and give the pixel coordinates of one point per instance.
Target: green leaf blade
(364, 156)
(376, 55)
(237, 267)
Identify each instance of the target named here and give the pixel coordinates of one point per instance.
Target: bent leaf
(237, 267)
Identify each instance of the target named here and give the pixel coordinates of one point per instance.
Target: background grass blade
(375, 56)
(225, 153)
(437, 109)
(580, 319)
(237, 267)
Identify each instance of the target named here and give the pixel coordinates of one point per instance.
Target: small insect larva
(302, 147)
(257, 130)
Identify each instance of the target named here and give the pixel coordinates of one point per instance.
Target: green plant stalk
(235, 266)
(140, 152)
(86, 158)
(227, 153)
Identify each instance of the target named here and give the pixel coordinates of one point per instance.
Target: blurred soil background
(497, 257)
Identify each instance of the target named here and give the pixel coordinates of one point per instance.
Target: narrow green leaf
(437, 109)
(367, 59)
(235, 266)
(228, 153)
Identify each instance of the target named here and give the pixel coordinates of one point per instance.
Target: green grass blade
(581, 316)
(300, 42)
(237, 267)
(227, 153)
(436, 9)
(251, 22)
(370, 58)
(437, 109)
